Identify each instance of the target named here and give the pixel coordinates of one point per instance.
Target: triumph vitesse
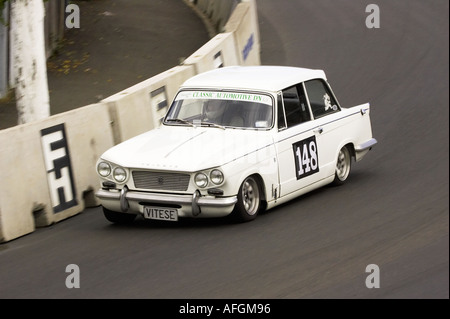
(236, 141)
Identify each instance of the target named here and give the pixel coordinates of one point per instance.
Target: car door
(296, 142)
(329, 123)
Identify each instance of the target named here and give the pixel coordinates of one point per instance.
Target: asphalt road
(393, 212)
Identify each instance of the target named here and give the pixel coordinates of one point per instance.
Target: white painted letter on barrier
(59, 168)
(373, 19)
(73, 19)
(373, 280)
(73, 280)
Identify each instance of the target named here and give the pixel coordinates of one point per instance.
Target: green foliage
(2, 5)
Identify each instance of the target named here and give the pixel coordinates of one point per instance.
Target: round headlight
(103, 169)
(119, 174)
(201, 180)
(216, 176)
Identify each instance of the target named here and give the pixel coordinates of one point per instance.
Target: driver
(214, 111)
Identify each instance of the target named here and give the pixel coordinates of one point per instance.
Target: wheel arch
(260, 181)
(262, 188)
(351, 153)
(350, 146)
(261, 185)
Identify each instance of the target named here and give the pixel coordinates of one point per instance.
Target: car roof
(265, 78)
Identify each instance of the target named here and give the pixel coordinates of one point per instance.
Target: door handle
(319, 130)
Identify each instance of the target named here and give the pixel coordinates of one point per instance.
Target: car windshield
(221, 109)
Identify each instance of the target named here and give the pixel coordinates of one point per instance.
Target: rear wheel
(118, 218)
(343, 166)
(249, 201)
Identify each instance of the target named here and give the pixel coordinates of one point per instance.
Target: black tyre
(118, 218)
(249, 202)
(343, 166)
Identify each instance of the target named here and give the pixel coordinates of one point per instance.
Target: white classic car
(235, 141)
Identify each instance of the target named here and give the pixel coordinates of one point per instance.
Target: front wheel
(343, 166)
(249, 200)
(118, 218)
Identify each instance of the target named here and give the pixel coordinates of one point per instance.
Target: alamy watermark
(73, 279)
(73, 17)
(373, 280)
(373, 19)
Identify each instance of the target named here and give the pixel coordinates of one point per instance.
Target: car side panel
(290, 144)
(349, 126)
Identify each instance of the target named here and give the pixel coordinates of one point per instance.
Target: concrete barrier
(218, 52)
(243, 23)
(141, 107)
(39, 185)
(217, 12)
(241, 20)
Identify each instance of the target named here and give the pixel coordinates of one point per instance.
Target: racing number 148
(306, 157)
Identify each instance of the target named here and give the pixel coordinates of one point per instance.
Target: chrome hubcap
(343, 164)
(250, 196)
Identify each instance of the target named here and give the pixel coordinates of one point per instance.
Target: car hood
(190, 149)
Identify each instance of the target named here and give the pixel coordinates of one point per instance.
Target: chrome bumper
(196, 201)
(362, 149)
(366, 146)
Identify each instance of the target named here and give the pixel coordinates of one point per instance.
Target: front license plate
(161, 213)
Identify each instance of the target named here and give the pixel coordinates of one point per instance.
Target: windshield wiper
(180, 121)
(212, 124)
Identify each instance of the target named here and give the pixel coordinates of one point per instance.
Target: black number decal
(306, 157)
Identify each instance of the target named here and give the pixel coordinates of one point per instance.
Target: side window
(291, 106)
(295, 106)
(321, 99)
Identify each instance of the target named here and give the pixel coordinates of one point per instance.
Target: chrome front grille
(161, 180)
